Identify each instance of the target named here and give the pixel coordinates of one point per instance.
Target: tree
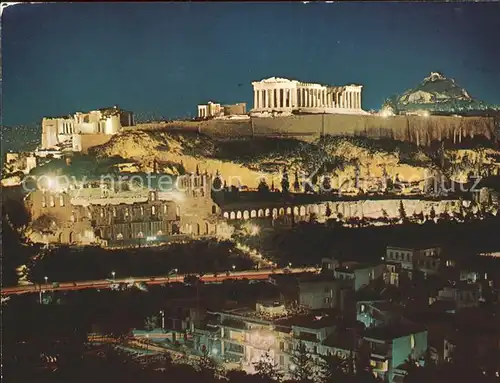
(302, 365)
(263, 187)
(402, 212)
(267, 368)
(334, 368)
(217, 184)
(328, 211)
(208, 366)
(385, 215)
(432, 213)
(296, 183)
(326, 185)
(151, 322)
(285, 183)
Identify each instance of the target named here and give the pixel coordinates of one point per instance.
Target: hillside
(250, 160)
(436, 93)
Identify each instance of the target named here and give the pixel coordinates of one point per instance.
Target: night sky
(161, 59)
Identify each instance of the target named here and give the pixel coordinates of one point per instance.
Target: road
(106, 284)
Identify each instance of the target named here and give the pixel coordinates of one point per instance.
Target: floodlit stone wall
(415, 129)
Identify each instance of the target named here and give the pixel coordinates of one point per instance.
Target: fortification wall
(416, 129)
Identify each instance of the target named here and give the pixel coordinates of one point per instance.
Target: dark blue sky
(161, 59)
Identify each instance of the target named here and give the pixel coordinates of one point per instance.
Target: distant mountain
(436, 93)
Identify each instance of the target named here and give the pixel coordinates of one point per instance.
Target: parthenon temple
(280, 94)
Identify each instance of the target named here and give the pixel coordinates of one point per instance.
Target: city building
(80, 131)
(461, 295)
(120, 213)
(358, 274)
(391, 346)
(378, 313)
(423, 258)
(283, 95)
(246, 334)
(216, 110)
(320, 292)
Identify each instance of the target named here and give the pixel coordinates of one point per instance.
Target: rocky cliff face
(248, 161)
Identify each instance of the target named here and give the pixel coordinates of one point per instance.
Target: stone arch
(207, 228)
(289, 210)
(302, 211)
(214, 209)
(71, 237)
(198, 229)
(281, 211)
(140, 234)
(253, 214)
(267, 212)
(61, 237)
(97, 233)
(226, 215)
(238, 214)
(260, 213)
(295, 210)
(246, 215)
(233, 215)
(119, 236)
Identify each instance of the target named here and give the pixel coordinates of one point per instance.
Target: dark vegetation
(369, 243)
(88, 263)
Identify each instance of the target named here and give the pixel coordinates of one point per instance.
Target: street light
(290, 264)
(113, 275)
(46, 278)
(234, 267)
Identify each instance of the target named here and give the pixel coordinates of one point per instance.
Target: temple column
(261, 98)
(359, 100)
(255, 104)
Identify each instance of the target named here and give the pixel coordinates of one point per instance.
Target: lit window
(114, 212)
(165, 209)
(142, 210)
(44, 202)
(153, 209)
(52, 202)
(61, 200)
(119, 236)
(126, 212)
(412, 341)
(152, 196)
(102, 212)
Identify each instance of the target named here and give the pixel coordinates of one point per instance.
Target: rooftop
(412, 245)
(310, 321)
(393, 331)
